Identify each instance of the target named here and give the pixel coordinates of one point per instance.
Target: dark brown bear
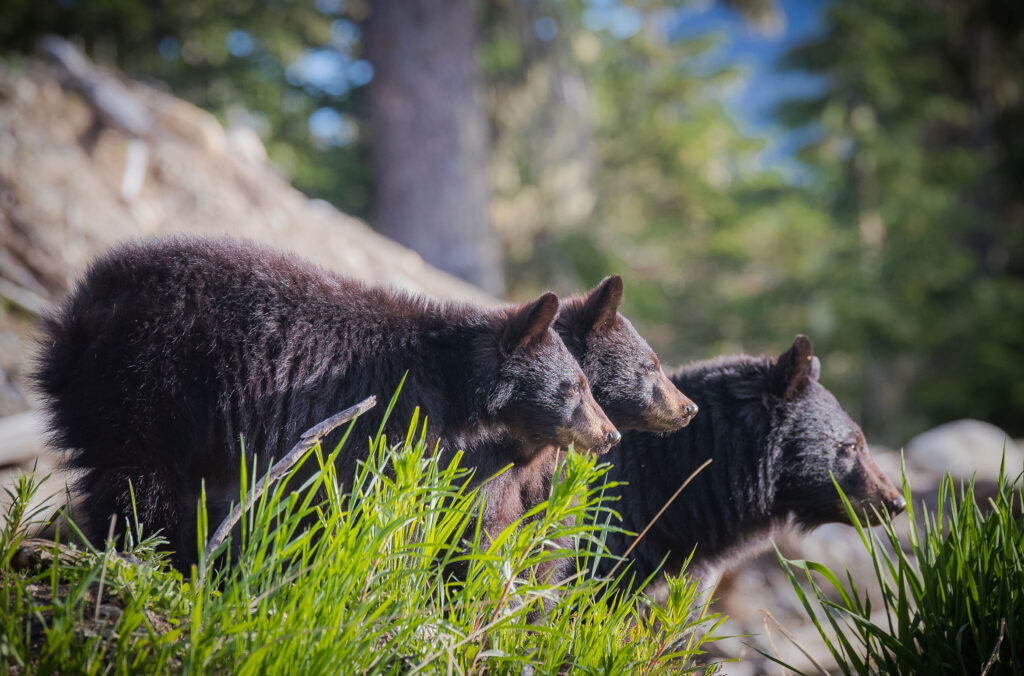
(776, 438)
(628, 383)
(624, 373)
(168, 352)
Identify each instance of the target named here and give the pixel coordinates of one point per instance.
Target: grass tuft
(327, 579)
(952, 589)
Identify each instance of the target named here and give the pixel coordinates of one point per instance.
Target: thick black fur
(168, 351)
(775, 436)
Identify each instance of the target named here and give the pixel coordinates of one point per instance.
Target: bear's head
(624, 373)
(816, 440)
(536, 389)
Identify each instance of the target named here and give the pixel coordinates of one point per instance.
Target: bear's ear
(529, 323)
(794, 369)
(602, 304)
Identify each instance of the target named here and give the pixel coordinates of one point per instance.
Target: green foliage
(916, 158)
(326, 581)
(952, 595)
(719, 253)
(898, 246)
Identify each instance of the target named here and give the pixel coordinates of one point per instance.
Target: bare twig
(136, 157)
(792, 639)
(103, 570)
(308, 440)
(768, 632)
(994, 657)
(658, 516)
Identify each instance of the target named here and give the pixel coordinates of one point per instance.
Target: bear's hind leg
(159, 505)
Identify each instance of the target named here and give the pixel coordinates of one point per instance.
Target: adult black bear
(167, 352)
(776, 438)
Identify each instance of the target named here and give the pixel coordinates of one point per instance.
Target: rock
(964, 448)
(189, 123)
(20, 437)
(246, 144)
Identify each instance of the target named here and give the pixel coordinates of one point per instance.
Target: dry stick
(768, 632)
(994, 657)
(657, 516)
(308, 440)
(103, 570)
(766, 615)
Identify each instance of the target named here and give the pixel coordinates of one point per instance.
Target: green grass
(952, 591)
(329, 581)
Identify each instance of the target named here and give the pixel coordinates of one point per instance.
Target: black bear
(167, 352)
(624, 372)
(776, 438)
(628, 383)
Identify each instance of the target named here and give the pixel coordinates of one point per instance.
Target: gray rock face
(964, 448)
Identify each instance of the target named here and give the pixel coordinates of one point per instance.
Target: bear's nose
(613, 437)
(691, 410)
(896, 505)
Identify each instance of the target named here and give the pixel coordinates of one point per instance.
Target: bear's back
(186, 344)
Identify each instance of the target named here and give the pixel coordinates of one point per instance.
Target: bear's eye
(651, 367)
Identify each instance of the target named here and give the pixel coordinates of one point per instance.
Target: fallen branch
(994, 657)
(657, 516)
(766, 615)
(35, 554)
(308, 440)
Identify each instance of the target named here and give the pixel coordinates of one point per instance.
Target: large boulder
(964, 448)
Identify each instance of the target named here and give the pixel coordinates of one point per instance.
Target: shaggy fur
(623, 371)
(775, 435)
(169, 351)
(627, 381)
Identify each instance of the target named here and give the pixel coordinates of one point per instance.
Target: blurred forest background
(853, 169)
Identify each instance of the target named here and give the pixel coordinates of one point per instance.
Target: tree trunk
(429, 137)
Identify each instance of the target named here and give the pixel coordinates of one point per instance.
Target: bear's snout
(672, 410)
(594, 430)
(896, 505)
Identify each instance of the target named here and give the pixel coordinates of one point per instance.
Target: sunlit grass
(329, 580)
(952, 590)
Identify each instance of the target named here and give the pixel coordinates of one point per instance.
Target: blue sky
(757, 54)
(334, 69)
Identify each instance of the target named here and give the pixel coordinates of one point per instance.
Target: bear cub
(167, 352)
(776, 437)
(628, 383)
(624, 372)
